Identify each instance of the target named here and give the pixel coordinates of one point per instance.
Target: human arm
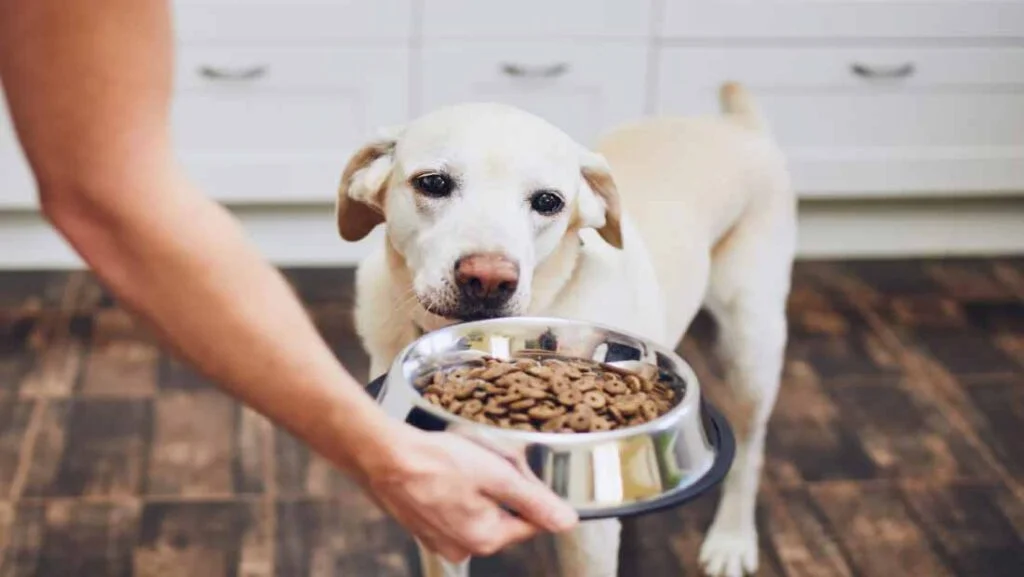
(88, 84)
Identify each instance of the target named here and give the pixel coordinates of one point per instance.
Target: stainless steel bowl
(616, 473)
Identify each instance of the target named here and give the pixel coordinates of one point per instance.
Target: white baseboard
(305, 235)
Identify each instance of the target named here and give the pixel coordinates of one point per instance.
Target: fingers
(484, 539)
(531, 500)
(514, 531)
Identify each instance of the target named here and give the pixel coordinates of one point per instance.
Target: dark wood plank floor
(897, 448)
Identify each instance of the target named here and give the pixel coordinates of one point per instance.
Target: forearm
(89, 83)
(182, 263)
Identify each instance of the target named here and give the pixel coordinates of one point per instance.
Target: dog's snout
(487, 280)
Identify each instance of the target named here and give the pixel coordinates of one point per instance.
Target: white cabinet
(17, 187)
(865, 121)
(278, 124)
(868, 97)
(559, 19)
(872, 122)
(297, 22)
(829, 19)
(582, 88)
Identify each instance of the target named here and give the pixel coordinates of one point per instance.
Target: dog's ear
(360, 204)
(598, 204)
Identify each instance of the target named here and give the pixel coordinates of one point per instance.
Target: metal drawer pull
(216, 73)
(865, 71)
(519, 71)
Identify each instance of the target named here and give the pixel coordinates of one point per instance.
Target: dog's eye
(546, 203)
(434, 185)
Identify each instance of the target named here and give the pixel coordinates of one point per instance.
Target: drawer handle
(865, 71)
(217, 73)
(520, 71)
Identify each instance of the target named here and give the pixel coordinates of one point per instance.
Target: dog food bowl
(621, 472)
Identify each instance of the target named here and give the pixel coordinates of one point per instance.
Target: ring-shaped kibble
(523, 364)
(614, 387)
(541, 372)
(570, 398)
(628, 406)
(616, 414)
(555, 424)
(579, 422)
(464, 390)
(586, 383)
(472, 407)
(545, 412)
(606, 397)
(522, 404)
(595, 399)
(495, 409)
(534, 393)
(559, 387)
(509, 398)
(649, 410)
(634, 383)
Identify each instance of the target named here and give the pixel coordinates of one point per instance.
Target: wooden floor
(897, 447)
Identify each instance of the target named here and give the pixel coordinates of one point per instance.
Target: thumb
(530, 500)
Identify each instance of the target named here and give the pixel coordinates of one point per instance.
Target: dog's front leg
(397, 407)
(752, 343)
(590, 550)
(433, 565)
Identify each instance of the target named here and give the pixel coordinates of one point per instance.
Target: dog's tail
(739, 104)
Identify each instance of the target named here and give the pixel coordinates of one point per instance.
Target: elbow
(84, 216)
(67, 207)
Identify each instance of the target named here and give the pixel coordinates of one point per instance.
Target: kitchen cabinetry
(868, 99)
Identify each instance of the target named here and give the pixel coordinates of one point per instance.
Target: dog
(491, 211)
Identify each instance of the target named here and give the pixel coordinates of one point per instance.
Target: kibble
(551, 394)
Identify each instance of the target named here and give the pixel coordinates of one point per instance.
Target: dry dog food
(547, 394)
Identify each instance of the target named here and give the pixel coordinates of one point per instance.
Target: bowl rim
(687, 408)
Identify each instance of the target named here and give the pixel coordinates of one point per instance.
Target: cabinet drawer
(536, 18)
(281, 21)
(277, 125)
(581, 88)
(873, 122)
(842, 19)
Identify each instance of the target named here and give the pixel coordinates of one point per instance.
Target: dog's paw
(729, 553)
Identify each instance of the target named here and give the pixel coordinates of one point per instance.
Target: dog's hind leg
(747, 297)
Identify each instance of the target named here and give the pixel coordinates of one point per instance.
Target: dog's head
(475, 197)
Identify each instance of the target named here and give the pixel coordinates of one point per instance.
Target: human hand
(448, 491)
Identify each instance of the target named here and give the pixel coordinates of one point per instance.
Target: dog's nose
(487, 280)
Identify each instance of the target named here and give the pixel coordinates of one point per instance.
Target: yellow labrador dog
(490, 211)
